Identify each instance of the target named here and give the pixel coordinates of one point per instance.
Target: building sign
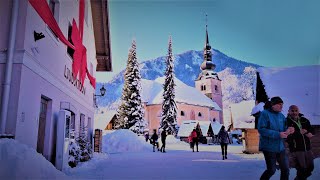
(73, 80)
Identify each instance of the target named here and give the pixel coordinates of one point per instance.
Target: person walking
(147, 136)
(163, 141)
(194, 137)
(300, 156)
(224, 139)
(154, 139)
(272, 129)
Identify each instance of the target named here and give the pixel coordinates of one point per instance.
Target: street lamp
(102, 93)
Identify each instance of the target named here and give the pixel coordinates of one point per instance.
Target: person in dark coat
(224, 139)
(300, 156)
(163, 140)
(154, 139)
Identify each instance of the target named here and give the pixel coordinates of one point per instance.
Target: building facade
(36, 71)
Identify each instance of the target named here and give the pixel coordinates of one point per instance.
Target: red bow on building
(80, 52)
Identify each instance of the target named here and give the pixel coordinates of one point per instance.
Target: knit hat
(276, 100)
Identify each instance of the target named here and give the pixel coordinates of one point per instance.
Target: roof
(102, 120)
(295, 85)
(186, 127)
(152, 94)
(241, 114)
(101, 27)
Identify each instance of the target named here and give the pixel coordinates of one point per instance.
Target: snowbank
(124, 140)
(18, 161)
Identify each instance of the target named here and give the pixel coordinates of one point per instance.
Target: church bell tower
(208, 81)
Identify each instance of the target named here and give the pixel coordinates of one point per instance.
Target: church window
(199, 114)
(182, 113)
(216, 88)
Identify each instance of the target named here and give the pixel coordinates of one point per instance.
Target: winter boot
(222, 157)
(225, 157)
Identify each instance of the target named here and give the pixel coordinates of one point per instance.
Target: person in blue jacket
(272, 129)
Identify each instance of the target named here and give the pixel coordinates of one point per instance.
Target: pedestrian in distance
(154, 139)
(273, 130)
(194, 137)
(163, 141)
(224, 140)
(300, 156)
(147, 136)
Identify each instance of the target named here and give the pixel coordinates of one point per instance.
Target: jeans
(271, 158)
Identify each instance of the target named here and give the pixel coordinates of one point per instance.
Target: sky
(127, 156)
(269, 33)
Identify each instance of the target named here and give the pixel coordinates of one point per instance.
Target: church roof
(152, 94)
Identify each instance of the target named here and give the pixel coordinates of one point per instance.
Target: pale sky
(270, 33)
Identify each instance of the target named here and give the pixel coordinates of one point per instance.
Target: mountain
(187, 69)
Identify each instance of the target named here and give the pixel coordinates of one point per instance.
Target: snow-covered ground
(130, 157)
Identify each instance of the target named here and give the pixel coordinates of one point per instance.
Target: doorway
(42, 124)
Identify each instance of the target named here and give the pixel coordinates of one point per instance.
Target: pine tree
(130, 111)
(84, 144)
(169, 107)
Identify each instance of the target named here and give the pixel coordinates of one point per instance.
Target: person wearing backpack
(272, 127)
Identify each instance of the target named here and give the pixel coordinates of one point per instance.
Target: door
(42, 125)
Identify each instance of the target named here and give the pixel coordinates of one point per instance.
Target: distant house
(243, 120)
(295, 85)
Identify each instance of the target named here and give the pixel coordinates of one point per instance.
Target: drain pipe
(8, 68)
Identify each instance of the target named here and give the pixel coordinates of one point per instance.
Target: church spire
(207, 55)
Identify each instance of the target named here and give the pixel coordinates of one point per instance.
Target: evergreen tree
(169, 107)
(130, 111)
(84, 144)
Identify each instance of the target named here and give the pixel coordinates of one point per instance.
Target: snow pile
(316, 171)
(92, 165)
(124, 140)
(18, 161)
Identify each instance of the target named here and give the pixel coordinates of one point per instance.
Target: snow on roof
(216, 126)
(295, 85)
(101, 120)
(204, 126)
(241, 114)
(152, 93)
(186, 127)
(257, 108)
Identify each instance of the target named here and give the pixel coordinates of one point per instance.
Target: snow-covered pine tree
(169, 107)
(130, 110)
(84, 144)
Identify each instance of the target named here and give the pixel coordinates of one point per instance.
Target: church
(202, 102)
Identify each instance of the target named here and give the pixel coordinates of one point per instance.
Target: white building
(36, 75)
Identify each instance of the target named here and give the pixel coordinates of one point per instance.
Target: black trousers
(163, 147)
(224, 149)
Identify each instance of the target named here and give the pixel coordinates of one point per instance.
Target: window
(67, 133)
(70, 50)
(199, 114)
(203, 87)
(54, 8)
(182, 113)
(216, 88)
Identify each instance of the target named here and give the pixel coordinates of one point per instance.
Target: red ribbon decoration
(80, 52)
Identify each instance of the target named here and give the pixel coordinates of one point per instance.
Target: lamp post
(102, 93)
